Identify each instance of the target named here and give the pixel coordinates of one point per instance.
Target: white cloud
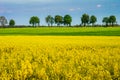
(71, 9)
(99, 5)
(79, 9)
(75, 9)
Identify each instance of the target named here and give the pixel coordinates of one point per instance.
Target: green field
(62, 31)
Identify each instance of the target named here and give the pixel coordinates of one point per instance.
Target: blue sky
(22, 10)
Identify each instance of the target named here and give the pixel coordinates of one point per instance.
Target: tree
(85, 19)
(12, 22)
(93, 20)
(67, 20)
(112, 20)
(106, 20)
(34, 20)
(58, 20)
(50, 20)
(47, 19)
(3, 20)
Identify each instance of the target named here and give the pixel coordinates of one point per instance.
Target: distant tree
(47, 19)
(34, 20)
(62, 20)
(11, 22)
(112, 20)
(106, 20)
(3, 20)
(93, 20)
(85, 19)
(67, 20)
(58, 20)
(50, 20)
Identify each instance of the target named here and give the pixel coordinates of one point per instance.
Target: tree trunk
(84, 24)
(106, 24)
(112, 24)
(51, 24)
(93, 24)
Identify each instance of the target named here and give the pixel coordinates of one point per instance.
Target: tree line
(64, 20)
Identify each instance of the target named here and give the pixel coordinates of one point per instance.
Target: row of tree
(66, 20)
(85, 19)
(3, 21)
(109, 21)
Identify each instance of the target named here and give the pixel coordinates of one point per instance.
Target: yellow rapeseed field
(59, 58)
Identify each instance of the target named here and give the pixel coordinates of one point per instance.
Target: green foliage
(34, 20)
(3, 20)
(112, 20)
(49, 20)
(106, 20)
(67, 20)
(58, 20)
(12, 22)
(52, 21)
(85, 19)
(109, 20)
(93, 19)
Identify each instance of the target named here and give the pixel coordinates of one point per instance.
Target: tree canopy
(49, 20)
(58, 20)
(11, 22)
(112, 20)
(93, 20)
(3, 20)
(106, 20)
(67, 20)
(85, 19)
(109, 20)
(34, 20)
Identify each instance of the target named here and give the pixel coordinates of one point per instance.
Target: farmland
(59, 57)
(62, 31)
(59, 40)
